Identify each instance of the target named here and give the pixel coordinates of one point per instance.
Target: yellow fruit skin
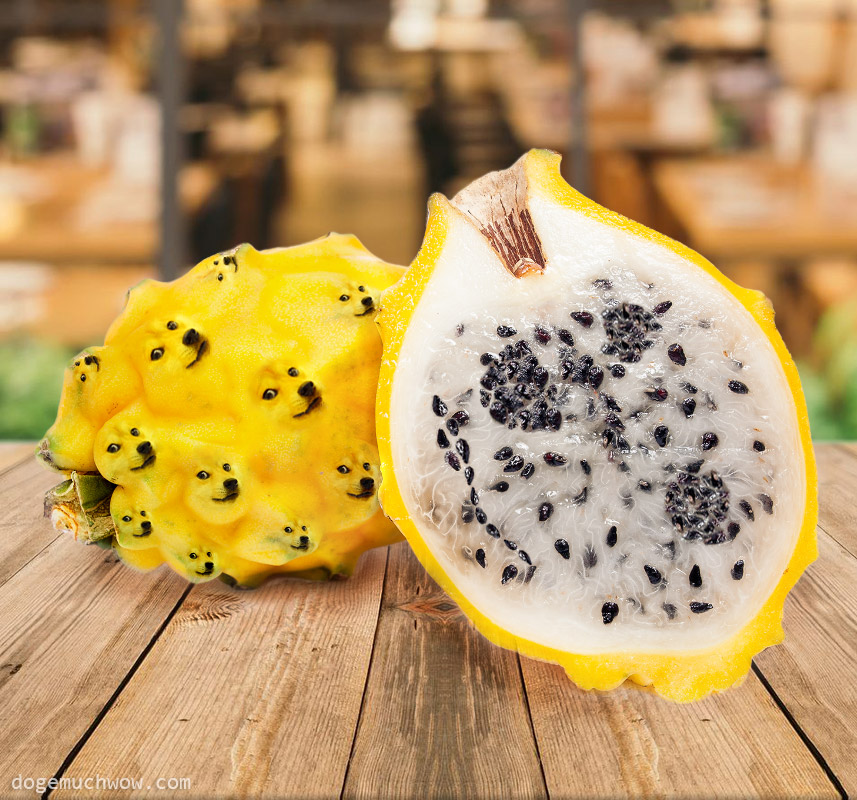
(96, 385)
(234, 410)
(679, 676)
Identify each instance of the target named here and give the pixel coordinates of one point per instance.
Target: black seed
(580, 498)
(584, 465)
(498, 412)
(767, 503)
(747, 509)
(463, 450)
(438, 406)
(582, 317)
(565, 337)
(676, 354)
(452, 426)
(611, 403)
(474, 498)
(602, 283)
(700, 608)
(561, 546)
(609, 612)
(459, 329)
(540, 376)
(487, 358)
(689, 388)
(661, 434)
(738, 387)
(670, 610)
(688, 405)
(695, 577)
(480, 557)
(554, 419)
(481, 516)
(528, 470)
(515, 463)
(694, 467)
(554, 459)
(484, 398)
(510, 544)
(758, 446)
(614, 422)
(738, 570)
(510, 573)
(612, 536)
(596, 376)
(644, 486)
(492, 530)
(500, 486)
(461, 417)
(542, 335)
(453, 461)
(466, 514)
(468, 475)
(503, 453)
(442, 440)
(590, 557)
(734, 529)
(505, 331)
(659, 394)
(653, 575)
(662, 308)
(545, 510)
(617, 371)
(524, 556)
(709, 441)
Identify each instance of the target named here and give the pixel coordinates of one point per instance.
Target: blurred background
(139, 136)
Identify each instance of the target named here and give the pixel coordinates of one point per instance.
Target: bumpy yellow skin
(681, 676)
(234, 408)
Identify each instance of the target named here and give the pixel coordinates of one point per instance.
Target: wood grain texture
(24, 532)
(73, 622)
(632, 743)
(253, 693)
(445, 715)
(13, 453)
(837, 493)
(814, 672)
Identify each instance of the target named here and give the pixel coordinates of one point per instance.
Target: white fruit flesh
(561, 603)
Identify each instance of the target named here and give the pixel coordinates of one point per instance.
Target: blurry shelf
(751, 207)
(51, 231)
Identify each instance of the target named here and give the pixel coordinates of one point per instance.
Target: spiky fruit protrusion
(233, 409)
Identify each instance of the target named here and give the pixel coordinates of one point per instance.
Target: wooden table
(784, 213)
(377, 686)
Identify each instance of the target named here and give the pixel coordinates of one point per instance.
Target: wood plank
(445, 714)
(12, 453)
(813, 672)
(24, 531)
(247, 693)
(631, 743)
(72, 624)
(837, 499)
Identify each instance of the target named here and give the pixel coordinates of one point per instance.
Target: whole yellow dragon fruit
(233, 411)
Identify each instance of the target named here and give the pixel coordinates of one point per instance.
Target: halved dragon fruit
(593, 440)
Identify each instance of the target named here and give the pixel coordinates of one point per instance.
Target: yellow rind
(678, 676)
(272, 319)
